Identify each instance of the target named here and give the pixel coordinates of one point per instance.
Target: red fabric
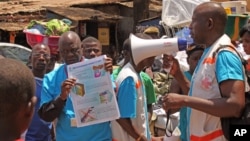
(208, 137)
(19, 140)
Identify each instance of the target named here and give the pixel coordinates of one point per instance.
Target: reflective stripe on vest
(208, 137)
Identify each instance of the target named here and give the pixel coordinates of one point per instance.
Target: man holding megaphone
(217, 88)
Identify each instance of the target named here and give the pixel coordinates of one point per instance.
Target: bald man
(39, 130)
(17, 99)
(214, 78)
(55, 100)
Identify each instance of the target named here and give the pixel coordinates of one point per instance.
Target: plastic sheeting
(178, 12)
(15, 51)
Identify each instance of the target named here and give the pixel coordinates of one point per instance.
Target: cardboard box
(235, 7)
(219, 0)
(248, 5)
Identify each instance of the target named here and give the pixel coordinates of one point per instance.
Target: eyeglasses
(72, 50)
(92, 49)
(37, 55)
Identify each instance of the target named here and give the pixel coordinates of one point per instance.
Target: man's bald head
(37, 46)
(40, 58)
(208, 23)
(215, 11)
(69, 38)
(70, 47)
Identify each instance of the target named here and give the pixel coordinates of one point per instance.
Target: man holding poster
(56, 102)
(93, 96)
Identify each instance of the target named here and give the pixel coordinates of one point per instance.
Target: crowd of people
(36, 101)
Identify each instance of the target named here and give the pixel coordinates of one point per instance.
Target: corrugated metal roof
(153, 5)
(8, 26)
(79, 14)
(27, 7)
(15, 6)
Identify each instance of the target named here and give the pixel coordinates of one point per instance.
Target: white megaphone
(145, 48)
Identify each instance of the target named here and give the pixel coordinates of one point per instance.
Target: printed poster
(93, 96)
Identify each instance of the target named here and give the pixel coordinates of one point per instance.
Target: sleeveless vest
(205, 86)
(140, 122)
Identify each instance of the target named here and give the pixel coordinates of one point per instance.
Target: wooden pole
(141, 11)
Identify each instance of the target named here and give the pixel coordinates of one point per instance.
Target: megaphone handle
(169, 68)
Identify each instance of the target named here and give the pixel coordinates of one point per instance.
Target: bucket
(52, 41)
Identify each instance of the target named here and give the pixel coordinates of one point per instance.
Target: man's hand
(149, 72)
(176, 71)
(170, 62)
(173, 101)
(108, 64)
(143, 138)
(157, 138)
(66, 87)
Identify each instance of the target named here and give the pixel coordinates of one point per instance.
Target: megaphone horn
(145, 48)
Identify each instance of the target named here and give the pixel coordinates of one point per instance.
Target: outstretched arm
(230, 105)
(230, 77)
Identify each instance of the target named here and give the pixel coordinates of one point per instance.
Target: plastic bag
(178, 12)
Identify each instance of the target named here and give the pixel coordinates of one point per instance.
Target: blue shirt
(126, 98)
(38, 130)
(229, 66)
(64, 131)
